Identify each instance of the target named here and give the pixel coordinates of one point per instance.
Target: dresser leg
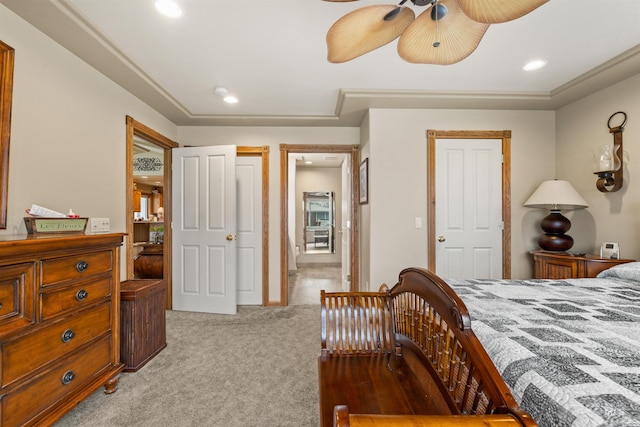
(112, 385)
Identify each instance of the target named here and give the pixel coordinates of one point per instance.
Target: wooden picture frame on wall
(364, 182)
(6, 89)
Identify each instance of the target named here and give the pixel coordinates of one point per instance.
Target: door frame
(285, 150)
(432, 139)
(262, 151)
(135, 128)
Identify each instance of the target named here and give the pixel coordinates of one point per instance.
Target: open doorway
(317, 230)
(148, 205)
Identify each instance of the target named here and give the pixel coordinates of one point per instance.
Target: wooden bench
(321, 237)
(408, 356)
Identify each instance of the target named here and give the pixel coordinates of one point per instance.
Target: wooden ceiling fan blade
(366, 29)
(458, 36)
(497, 11)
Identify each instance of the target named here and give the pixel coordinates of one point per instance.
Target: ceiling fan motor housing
(438, 11)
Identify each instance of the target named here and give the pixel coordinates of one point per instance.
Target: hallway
(306, 283)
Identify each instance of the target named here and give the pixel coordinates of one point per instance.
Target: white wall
(68, 131)
(272, 137)
(581, 128)
(365, 217)
(398, 181)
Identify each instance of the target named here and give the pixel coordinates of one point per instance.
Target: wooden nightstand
(564, 265)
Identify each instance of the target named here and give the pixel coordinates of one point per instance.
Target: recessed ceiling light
(169, 8)
(534, 65)
(225, 95)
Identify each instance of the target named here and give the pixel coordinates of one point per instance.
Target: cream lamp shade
(555, 195)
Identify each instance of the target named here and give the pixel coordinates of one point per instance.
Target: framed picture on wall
(364, 182)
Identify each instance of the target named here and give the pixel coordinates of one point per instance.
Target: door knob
(230, 237)
(441, 239)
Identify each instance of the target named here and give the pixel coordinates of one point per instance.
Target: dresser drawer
(23, 355)
(75, 267)
(75, 297)
(28, 401)
(17, 290)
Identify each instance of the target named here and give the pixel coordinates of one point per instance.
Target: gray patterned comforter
(569, 350)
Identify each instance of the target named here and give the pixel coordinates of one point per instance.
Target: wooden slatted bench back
(356, 323)
(422, 321)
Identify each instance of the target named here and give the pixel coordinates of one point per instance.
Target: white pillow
(627, 271)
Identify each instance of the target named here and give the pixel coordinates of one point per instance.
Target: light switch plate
(99, 225)
(418, 222)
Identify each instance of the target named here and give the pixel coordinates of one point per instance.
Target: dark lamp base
(551, 242)
(554, 226)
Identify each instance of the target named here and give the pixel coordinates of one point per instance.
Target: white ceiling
(271, 54)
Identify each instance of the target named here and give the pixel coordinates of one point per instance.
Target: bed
(569, 350)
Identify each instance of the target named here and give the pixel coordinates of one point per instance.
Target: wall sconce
(608, 162)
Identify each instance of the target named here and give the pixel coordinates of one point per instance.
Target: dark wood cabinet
(143, 333)
(59, 323)
(137, 200)
(564, 265)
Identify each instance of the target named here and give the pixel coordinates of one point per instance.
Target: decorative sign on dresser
(59, 323)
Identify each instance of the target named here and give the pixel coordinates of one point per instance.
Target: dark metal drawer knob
(82, 266)
(68, 377)
(68, 335)
(81, 295)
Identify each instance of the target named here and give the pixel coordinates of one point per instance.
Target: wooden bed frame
(408, 356)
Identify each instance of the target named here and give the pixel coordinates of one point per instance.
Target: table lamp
(555, 195)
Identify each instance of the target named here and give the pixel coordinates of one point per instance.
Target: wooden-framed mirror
(6, 90)
(148, 241)
(319, 222)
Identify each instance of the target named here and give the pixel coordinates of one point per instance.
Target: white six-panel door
(204, 229)
(249, 178)
(469, 209)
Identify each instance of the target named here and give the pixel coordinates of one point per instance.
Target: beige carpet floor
(256, 368)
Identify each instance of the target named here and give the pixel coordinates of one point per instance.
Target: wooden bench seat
(408, 356)
(384, 384)
(344, 419)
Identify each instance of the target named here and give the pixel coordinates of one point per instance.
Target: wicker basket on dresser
(59, 323)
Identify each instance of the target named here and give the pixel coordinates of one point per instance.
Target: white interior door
(204, 229)
(469, 208)
(249, 175)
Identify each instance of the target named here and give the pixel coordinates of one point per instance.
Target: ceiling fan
(446, 33)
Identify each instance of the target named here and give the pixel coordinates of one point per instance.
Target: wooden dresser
(563, 265)
(59, 323)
